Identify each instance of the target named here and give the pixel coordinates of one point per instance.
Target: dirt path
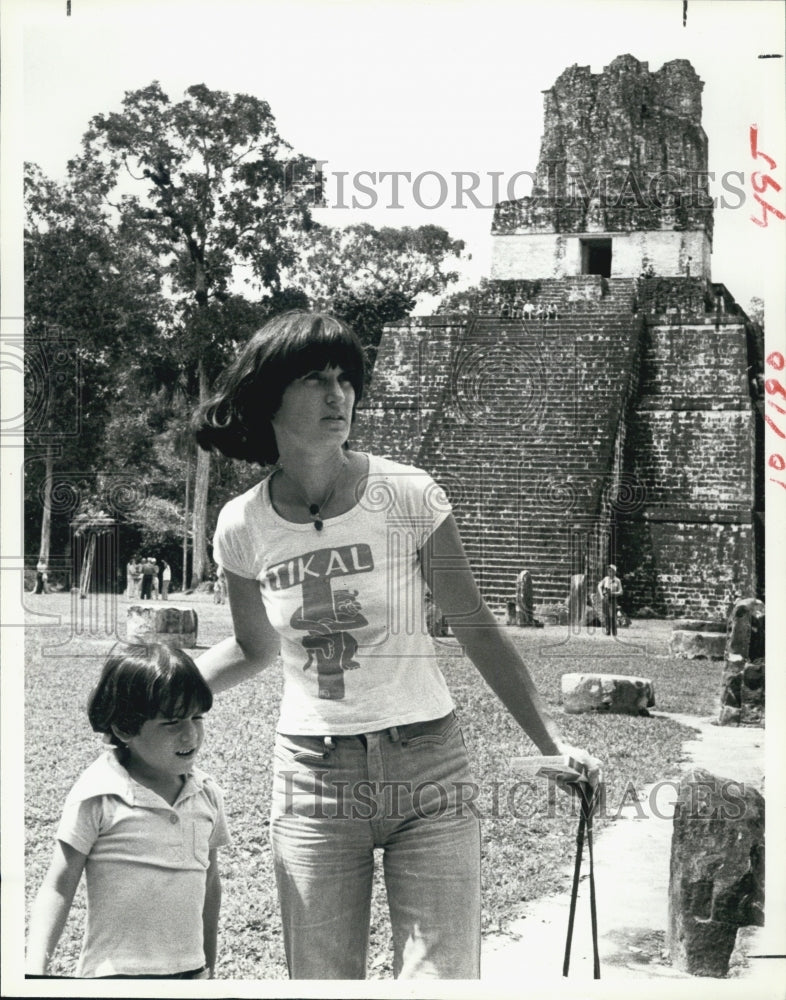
(632, 878)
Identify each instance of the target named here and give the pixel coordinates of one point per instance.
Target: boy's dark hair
(139, 681)
(236, 419)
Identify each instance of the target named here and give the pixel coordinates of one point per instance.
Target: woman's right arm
(52, 906)
(254, 645)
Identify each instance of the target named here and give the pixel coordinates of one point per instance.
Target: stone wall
(623, 155)
(599, 124)
(558, 255)
(695, 461)
(522, 434)
(689, 569)
(690, 447)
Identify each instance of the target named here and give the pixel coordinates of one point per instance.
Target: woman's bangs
(333, 350)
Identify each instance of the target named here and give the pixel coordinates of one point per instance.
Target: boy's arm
(210, 912)
(52, 905)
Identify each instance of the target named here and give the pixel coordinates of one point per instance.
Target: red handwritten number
(762, 186)
(776, 361)
(762, 181)
(774, 426)
(771, 385)
(766, 207)
(756, 153)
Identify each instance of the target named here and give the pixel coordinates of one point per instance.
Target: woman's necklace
(315, 509)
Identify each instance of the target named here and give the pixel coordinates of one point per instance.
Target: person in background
(41, 578)
(156, 586)
(148, 572)
(166, 579)
(327, 561)
(137, 577)
(609, 589)
(219, 587)
(144, 825)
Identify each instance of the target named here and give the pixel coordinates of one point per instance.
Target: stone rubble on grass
(170, 625)
(614, 693)
(692, 644)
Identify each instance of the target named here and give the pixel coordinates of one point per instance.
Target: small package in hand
(559, 766)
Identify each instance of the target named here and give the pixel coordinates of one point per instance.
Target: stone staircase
(517, 419)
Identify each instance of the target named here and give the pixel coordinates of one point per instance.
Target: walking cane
(572, 772)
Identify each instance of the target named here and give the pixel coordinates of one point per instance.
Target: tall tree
(373, 276)
(211, 187)
(89, 298)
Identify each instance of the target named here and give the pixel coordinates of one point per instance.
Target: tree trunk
(87, 566)
(46, 520)
(201, 481)
(185, 524)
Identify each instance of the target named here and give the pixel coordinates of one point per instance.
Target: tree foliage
(209, 185)
(207, 182)
(92, 301)
(184, 225)
(372, 276)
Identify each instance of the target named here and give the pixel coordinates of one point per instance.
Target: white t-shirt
(347, 602)
(612, 584)
(145, 870)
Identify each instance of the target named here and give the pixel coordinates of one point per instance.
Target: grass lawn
(528, 838)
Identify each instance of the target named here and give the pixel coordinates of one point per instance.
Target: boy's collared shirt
(145, 869)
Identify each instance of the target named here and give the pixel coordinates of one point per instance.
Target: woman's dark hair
(236, 419)
(138, 682)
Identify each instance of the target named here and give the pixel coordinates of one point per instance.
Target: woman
(327, 561)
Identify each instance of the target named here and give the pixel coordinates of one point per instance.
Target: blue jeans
(407, 790)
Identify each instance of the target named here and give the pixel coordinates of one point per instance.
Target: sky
(445, 86)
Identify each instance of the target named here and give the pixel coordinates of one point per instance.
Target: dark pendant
(313, 510)
(318, 525)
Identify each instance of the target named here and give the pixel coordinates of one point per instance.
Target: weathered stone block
(716, 879)
(525, 611)
(742, 686)
(746, 629)
(692, 645)
(614, 693)
(552, 614)
(170, 625)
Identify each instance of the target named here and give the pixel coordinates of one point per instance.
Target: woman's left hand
(592, 768)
